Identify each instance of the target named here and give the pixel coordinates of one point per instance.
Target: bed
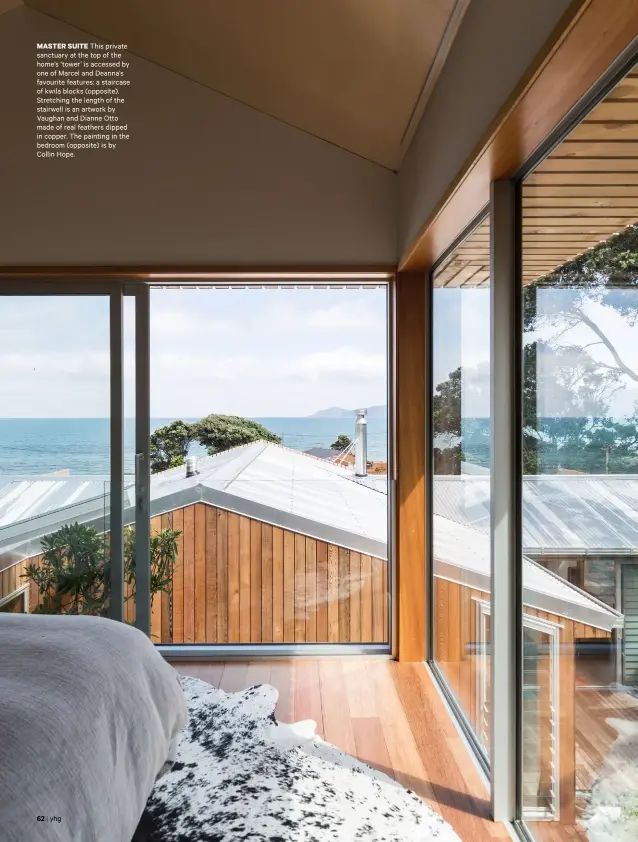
(90, 715)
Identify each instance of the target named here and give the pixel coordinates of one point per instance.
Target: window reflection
(580, 485)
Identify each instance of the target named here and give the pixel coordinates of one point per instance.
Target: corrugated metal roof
(260, 480)
(567, 514)
(298, 492)
(266, 480)
(23, 498)
(462, 554)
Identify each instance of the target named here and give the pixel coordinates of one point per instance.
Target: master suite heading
(80, 46)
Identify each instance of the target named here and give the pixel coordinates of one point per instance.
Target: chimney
(361, 444)
(191, 466)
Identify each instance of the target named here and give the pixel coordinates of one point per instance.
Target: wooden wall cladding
(12, 579)
(238, 580)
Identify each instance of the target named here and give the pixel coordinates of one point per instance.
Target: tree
(570, 429)
(221, 432)
(566, 317)
(73, 575)
(446, 425)
(606, 275)
(342, 442)
(575, 432)
(169, 445)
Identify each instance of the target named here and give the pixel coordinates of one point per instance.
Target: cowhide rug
(241, 775)
(612, 812)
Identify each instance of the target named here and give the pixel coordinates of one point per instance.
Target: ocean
(81, 445)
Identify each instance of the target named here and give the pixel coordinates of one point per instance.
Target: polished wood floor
(387, 714)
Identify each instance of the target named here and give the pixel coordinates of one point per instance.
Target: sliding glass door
(70, 502)
(461, 478)
(579, 273)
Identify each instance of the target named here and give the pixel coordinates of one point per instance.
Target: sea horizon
(81, 445)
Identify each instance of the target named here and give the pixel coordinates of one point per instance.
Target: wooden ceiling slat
(627, 89)
(591, 164)
(468, 265)
(479, 278)
(582, 222)
(608, 130)
(580, 192)
(448, 272)
(464, 275)
(579, 202)
(556, 229)
(585, 180)
(480, 255)
(618, 149)
(562, 240)
(580, 212)
(612, 109)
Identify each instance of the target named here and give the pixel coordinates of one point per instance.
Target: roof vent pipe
(191, 466)
(361, 444)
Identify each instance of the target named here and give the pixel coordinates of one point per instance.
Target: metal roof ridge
(253, 457)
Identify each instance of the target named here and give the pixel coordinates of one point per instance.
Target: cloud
(255, 352)
(349, 362)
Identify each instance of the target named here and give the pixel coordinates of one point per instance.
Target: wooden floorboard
(387, 714)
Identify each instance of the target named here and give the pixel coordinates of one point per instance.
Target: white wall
(204, 179)
(497, 41)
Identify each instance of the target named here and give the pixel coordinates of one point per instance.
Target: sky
(256, 353)
(461, 319)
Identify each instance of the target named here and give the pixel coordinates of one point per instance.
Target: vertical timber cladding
(238, 580)
(410, 592)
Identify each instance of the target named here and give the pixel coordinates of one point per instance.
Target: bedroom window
(269, 461)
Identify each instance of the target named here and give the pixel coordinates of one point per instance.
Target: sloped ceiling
(356, 73)
(7, 5)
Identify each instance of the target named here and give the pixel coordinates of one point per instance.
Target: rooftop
(314, 497)
(566, 514)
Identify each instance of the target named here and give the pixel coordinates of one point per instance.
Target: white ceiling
(356, 73)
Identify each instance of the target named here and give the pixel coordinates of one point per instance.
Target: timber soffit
(588, 39)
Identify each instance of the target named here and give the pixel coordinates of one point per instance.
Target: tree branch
(607, 343)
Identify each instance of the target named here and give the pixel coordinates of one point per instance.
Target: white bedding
(89, 715)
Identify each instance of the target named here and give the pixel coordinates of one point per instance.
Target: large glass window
(461, 476)
(55, 456)
(580, 480)
(269, 458)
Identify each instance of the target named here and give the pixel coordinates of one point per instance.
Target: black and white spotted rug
(241, 775)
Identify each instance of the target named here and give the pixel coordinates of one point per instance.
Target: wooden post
(410, 356)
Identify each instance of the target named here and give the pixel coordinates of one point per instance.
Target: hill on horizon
(340, 412)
